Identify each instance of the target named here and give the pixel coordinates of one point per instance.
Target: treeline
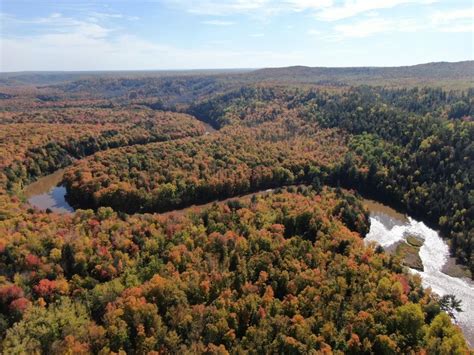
(277, 273)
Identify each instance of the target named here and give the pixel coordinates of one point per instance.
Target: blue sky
(192, 34)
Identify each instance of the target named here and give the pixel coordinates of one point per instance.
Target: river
(387, 228)
(48, 193)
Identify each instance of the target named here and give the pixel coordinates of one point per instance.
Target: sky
(204, 34)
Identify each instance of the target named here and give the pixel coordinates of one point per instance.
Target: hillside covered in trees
(284, 270)
(278, 273)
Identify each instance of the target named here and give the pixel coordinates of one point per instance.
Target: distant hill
(58, 77)
(430, 73)
(191, 84)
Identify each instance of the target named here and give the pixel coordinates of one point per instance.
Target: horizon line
(222, 69)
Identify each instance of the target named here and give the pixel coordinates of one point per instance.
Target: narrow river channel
(388, 227)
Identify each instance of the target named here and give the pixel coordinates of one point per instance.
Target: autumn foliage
(277, 272)
(282, 269)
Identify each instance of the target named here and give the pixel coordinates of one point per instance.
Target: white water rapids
(434, 254)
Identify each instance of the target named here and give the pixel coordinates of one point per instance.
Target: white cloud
(105, 15)
(216, 7)
(373, 26)
(326, 10)
(447, 17)
(249, 7)
(362, 28)
(351, 8)
(218, 23)
(59, 42)
(127, 53)
(466, 28)
(303, 5)
(313, 32)
(87, 45)
(458, 20)
(56, 24)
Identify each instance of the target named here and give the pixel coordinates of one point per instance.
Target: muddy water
(47, 193)
(389, 227)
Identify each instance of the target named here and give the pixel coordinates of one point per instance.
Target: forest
(421, 162)
(275, 262)
(55, 138)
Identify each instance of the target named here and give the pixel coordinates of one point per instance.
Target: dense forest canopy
(163, 176)
(277, 272)
(281, 271)
(36, 143)
(423, 162)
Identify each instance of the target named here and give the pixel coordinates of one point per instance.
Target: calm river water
(47, 192)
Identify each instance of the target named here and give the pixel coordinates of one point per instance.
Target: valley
(214, 212)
